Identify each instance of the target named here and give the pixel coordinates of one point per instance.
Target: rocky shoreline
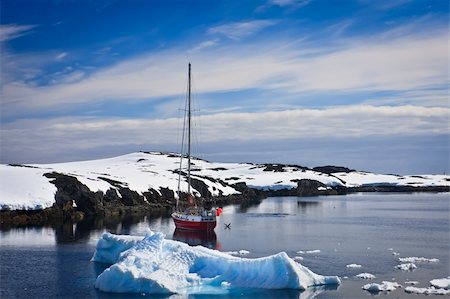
(74, 201)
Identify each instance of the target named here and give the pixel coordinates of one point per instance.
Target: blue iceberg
(158, 266)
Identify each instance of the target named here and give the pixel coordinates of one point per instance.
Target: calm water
(362, 228)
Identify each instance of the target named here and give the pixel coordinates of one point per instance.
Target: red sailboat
(194, 217)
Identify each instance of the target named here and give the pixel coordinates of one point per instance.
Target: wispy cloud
(290, 4)
(12, 31)
(374, 63)
(61, 56)
(43, 136)
(239, 30)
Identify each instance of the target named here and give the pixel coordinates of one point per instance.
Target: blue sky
(357, 83)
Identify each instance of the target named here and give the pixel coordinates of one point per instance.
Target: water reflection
(303, 206)
(63, 232)
(194, 238)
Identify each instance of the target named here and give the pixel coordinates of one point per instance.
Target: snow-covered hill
(25, 187)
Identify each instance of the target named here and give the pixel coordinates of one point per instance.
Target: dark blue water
(363, 229)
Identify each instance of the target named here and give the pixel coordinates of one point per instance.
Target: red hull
(194, 225)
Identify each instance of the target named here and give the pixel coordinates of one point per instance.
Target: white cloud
(61, 56)
(12, 31)
(81, 133)
(285, 3)
(374, 64)
(239, 30)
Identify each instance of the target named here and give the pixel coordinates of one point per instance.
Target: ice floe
(443, 283)
(308, 251)
(411, 282)
(406, 267)
(240, 252)
(427, 291)
(385, 286)
(414, 259)
(156, 265)
(353, 266)
(365, 276)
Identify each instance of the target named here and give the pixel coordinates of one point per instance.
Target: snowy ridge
(23, 187)
(156, 265)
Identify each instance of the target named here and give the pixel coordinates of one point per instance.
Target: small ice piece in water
(353, 266)
(240, 252)
(308, 251)
(365, 276)
(390, 249)
(442, 283)
(406, 267)
(427, 291)
(415, 259)
(385, 286)
(155, 265)
(411, 282)
(395, 253)
(297, 258)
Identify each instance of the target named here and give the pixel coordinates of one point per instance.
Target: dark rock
(166, 193)
(201, 187)
(332, 169)
(70, 189)
(130, 197)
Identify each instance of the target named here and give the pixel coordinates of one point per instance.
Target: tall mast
(189, 130)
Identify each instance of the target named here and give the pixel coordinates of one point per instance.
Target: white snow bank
(414, 259)
(360, 178)
(427, 291)
(406, 267)
(385, 286)
(25, 188)
(365, 276)
(157, 265)
(442, 283)
(353, 266)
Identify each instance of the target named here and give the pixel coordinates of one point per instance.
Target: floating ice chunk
(406, 267)
(365, 276)
(308, 251)
(157, 265)
(385, 286)
(395, 253)
(442, 283)
(427, 291)
(241, 252)
(110, 246)
(411, 282)
(297, 258)
(417, 259)
(353, 266)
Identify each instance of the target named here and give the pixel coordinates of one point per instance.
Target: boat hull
(194, 223)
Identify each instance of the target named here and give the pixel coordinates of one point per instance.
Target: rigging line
(182, 139)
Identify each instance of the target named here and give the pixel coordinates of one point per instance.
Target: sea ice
(427, 291)
(385, 286)
(308, 251)
(406, 267)
(411, 282)
(157, 265)
(417, 260)
(353, 266)
(241, 252)
(442, 283)
(366, 276)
